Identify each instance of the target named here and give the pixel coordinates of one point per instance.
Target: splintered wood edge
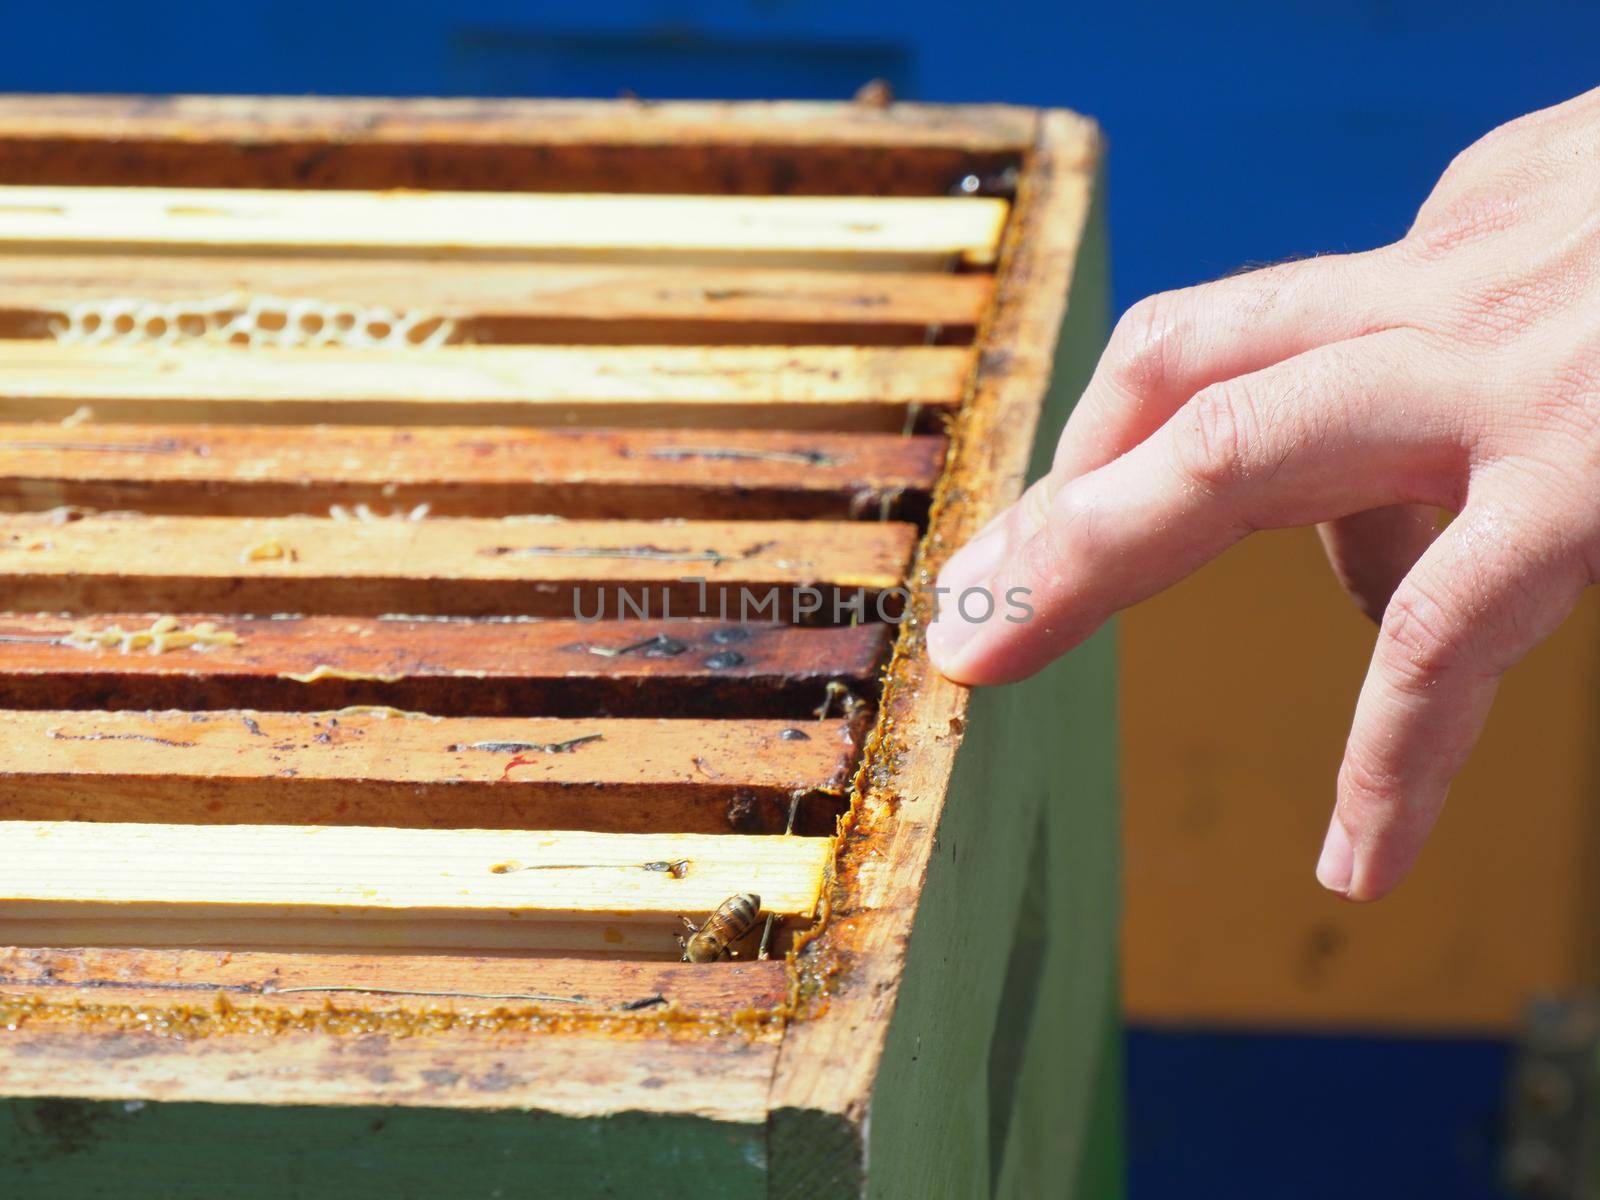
(829, 1060)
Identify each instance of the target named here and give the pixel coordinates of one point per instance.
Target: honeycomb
(238, 319)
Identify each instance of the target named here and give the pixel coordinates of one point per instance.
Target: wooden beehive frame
(788, 1047)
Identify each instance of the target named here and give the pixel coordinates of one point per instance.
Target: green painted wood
(1001, 1075)
(66, 1149)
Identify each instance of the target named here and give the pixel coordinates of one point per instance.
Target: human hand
(1458, 368)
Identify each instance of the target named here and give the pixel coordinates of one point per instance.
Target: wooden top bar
(525, 302)
(550, 668)
(266, 470)
(509, 145)
(454, 566)
(367, 767)
(678, 124)
(389, 981)
(802, 387)
(68, 882)
(862, 232)
(488, 873)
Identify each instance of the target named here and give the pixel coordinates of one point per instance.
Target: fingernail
(1338, 860)
(974, 565)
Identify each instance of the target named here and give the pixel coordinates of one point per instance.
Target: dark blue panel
(1239, 1116)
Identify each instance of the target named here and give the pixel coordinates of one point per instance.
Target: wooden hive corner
(318, 802)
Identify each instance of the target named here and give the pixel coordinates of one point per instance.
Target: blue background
(1241, 133)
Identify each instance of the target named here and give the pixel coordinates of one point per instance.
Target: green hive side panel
(67, 1149)
(1001, 1076)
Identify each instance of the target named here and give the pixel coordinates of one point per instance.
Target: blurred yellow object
(1238, 687)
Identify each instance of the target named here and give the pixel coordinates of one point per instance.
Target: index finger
(1338, 430)
(1169, 346)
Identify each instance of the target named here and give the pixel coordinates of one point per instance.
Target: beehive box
(342, 852)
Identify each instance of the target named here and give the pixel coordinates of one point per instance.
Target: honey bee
(713, 941)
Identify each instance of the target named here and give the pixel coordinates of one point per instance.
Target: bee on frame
(713, 941)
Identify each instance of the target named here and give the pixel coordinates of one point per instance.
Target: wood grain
(463, 567)
(264, 470)
(805, 387)
(507, 145)
(574, 1074)
(498, 302)
(386, 982)
(92, 883)
(371, 768)
(823, 1089)
(465, 667)
(896, 233)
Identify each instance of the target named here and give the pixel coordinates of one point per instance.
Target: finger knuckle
(1476, 212)
(1419, 639)
(1367, 784)
(1061, 534)
(1146, 345)
(1215, 443)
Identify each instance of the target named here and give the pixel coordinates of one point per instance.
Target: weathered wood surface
(823, 1091)
(575, 1074)
(370, 768)
(526, 302)
(1025, 1088)
(457, 566)
(66, 883)
(459, 667)
(802, 387)
(507, 145)
(385, 982)
(264, 470)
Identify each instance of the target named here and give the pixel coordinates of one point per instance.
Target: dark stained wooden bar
(254, 470)
(456, 566)
(462, 667)
(783, 148)
(374, 767)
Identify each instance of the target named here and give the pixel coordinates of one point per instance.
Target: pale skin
(1456, 370)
